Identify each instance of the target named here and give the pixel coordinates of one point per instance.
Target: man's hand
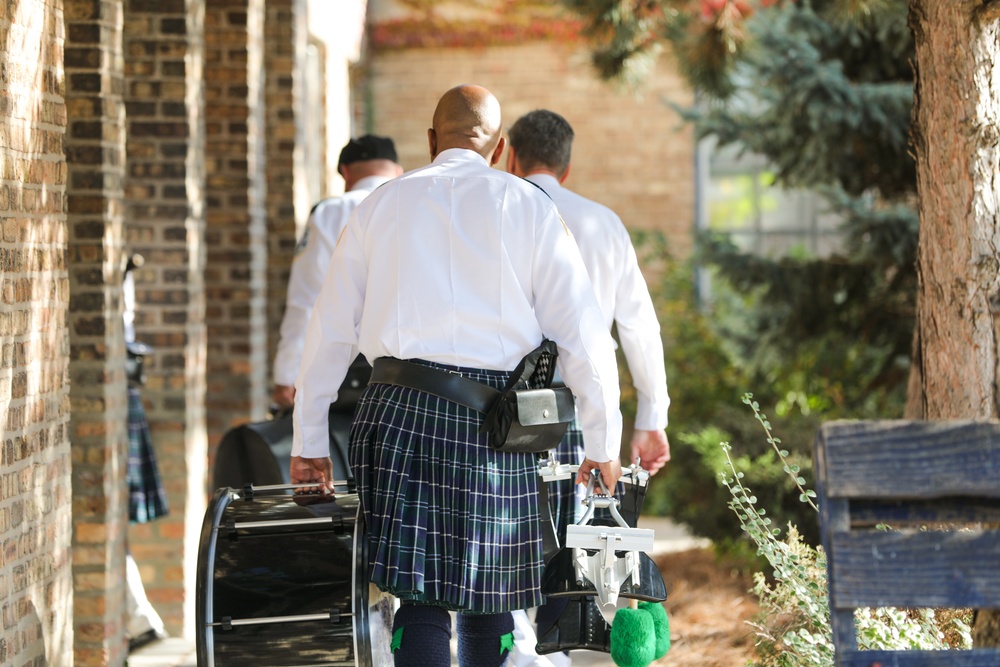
(283, 396)
(651, 448)
(312, 471)
(611, 472)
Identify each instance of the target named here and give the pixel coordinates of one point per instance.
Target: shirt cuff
(651, 417)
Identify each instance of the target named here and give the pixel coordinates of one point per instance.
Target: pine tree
(823, 89)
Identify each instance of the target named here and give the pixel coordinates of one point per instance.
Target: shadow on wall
(26, 646)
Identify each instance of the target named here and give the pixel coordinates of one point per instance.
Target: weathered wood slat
(976, 658)
(904, 459)
(915, 569)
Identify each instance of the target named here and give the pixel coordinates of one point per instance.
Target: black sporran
(530, 415)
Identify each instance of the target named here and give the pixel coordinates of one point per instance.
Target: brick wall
(629, 153)
(165, 223)
(35, 489)
(285, 34)
(129, 125)
(95, 149)
(236, 269)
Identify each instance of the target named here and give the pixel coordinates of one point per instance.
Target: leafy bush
(793, 628)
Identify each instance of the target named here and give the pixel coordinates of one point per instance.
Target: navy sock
(484, 640)
(421, 636)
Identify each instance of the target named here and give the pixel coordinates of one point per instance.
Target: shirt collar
(369, 183)
(546, 182)
(459, 154)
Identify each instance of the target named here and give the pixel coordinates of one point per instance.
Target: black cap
(368, 147)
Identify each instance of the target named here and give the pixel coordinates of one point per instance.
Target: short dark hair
(542, 138)
(368, 147)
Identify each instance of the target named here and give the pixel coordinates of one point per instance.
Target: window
(738, 196)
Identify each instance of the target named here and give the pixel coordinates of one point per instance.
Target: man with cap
(540, 149)
(365, 163)
(461, 268)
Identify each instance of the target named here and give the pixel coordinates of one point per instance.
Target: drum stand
(602, 566)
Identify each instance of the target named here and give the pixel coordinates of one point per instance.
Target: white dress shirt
(312, 257)
(622, 294)
(460, 264)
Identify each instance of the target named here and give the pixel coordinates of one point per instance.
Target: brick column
(36, 585)
(286, 33)
(95, 147)
(236, 272)
(165, 223)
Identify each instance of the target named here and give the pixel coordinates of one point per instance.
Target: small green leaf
(397, 639)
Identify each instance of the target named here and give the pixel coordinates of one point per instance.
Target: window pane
(732, 202)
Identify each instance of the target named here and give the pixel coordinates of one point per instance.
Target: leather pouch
(531, 415)
(532, 420)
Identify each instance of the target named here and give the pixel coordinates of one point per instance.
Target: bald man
(460, 270)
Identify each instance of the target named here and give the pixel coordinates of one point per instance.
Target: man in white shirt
(365, 163)
(540, 151)
(462, 268)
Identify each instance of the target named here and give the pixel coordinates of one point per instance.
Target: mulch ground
(708, 605)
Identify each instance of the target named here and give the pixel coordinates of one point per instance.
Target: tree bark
(956, 141)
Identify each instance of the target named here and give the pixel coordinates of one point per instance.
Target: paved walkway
(180, 652)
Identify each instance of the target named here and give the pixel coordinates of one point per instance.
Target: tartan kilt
(450, 521)
(147, 499)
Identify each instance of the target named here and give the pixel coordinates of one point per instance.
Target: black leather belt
(444, 384)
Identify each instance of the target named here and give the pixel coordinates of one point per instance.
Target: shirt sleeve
(330, 344)
(639, 333)
(568, 313)
(304, 283)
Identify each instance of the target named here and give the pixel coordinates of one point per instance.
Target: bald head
(468, 116)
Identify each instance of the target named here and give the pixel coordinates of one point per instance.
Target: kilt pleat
(450, 521)
(146, 495)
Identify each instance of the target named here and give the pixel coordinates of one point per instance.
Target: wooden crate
(937, 486)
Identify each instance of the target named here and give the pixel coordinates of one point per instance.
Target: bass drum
(283, 580)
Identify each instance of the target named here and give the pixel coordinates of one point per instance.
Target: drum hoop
(359, 584)
(203, 590)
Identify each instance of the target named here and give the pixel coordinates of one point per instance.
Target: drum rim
(204, 603)
(362, 629)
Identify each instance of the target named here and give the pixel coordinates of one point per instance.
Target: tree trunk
(956, 132)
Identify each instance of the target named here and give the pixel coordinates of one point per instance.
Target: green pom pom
(661, 624)
(633, 638)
